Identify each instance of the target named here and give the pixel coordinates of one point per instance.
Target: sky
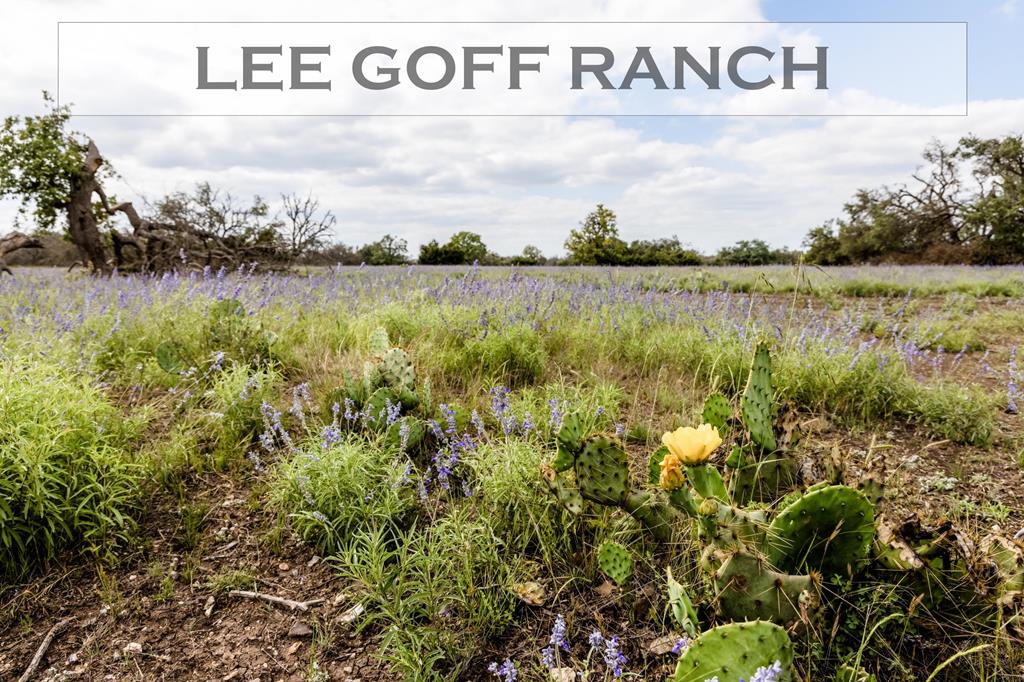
(710, 180)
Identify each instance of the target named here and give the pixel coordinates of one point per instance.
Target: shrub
(66, 479)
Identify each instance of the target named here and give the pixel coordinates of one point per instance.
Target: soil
(145, 621)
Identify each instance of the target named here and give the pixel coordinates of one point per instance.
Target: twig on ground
(41, 651)
(280, 601)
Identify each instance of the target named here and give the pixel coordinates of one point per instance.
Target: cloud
(1008, 8)
(514, 180)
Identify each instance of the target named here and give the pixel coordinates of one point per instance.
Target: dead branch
(41, 651)
(280, 601)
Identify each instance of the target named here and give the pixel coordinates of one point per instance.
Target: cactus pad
(616, 562)
(707, 482)
(168, 356)
(735, 651)
(756, 406)
(377, 406)
(748, 588)
(379, 343)
(416, 431)
(567, 496)
(227, 308)
(717, 412)
(823, 530)
(763, 481)
(396, 370)
(654, 465)
(602, 472)
(570, 436)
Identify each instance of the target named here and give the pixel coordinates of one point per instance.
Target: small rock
(293, 648)
(283, 567)
(313, 562)
(300, 629)
(132, 648)
(208, 609)
(73, 658)
(563, 675)
(663, 645)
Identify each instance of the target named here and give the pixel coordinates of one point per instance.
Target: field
(444, 469)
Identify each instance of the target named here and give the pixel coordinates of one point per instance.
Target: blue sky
(708, 180)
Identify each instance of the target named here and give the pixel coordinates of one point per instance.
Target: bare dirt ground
(145, 621)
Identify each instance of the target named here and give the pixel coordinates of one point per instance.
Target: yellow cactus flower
(692, 445)
(672, 477)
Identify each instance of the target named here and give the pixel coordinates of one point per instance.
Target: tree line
(966, 204)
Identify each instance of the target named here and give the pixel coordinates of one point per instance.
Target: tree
(822, 246)
(306, 227)
(461, 249)
(745, 252)
(596, 242)
(531, 255)
(940, 217)
(665, 251)
(58, 173)
(55, 172)
(388, 250)
(13, 242)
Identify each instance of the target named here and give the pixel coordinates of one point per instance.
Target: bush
(334, 493)
(66, 479)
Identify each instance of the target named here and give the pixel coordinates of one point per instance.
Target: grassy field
(445, 469)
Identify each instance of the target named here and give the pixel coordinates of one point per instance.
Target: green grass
(67, 476)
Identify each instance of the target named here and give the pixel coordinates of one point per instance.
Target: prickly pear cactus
(379, 343)
(735, 651)
(396, 370)
(717, 412)
(764, 480)
(169, 357)
(616, 562)
(748, 588)
(735, 528)
(415, 432)
(602, 472)
(229, 307)
(756, 406)
(377, 406)
(567, 495)
(826, 530)
(654, 465)
(570, 435)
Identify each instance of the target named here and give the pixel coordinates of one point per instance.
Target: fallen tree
(13, 242)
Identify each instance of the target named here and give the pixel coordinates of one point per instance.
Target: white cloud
(514, 180)
(1008, 8)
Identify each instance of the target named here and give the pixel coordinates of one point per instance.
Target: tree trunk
(81, 220)
(13, 242)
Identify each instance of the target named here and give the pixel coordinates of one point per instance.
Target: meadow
(427, 473)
